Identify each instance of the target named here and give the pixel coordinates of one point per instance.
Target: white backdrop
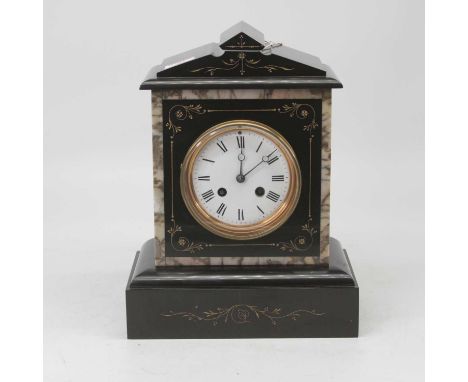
(98, 185)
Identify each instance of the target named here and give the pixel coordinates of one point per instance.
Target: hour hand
(240, 178)
(241, 158)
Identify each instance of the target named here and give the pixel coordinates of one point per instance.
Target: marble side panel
(158, 96)
(325, 183)
(158, 173)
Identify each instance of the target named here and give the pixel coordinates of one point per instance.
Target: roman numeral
(273, 196)
(272, 160)
(205, 177)
(260, 210)
(222, 146)
(209, 160)
(258, 148)
(221, 209)
(240, 214)
(208, 195)
(277, 178)
(241, 142)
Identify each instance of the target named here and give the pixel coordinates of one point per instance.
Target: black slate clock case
(272, 113)
(247, 301)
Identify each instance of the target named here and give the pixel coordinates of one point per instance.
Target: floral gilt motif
(243, 314)
(242, 62)
(181, 112)
(300, 242)
(182, 243)
(301, 111)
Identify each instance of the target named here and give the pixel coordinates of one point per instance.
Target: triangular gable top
(242, 59)
(242, 36)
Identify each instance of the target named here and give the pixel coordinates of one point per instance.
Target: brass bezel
(250, 231)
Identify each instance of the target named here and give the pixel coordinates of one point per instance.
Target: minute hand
(264, 159)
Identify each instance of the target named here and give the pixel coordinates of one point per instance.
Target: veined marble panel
(158, 172)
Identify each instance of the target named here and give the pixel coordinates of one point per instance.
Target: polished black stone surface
(242, 59)
(146, 274)
(247, 302)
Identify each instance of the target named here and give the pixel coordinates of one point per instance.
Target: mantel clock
(241, 169)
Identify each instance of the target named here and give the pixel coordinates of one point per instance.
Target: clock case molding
(286, 294)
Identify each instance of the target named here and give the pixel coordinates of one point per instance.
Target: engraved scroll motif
(182, 243)
(182, 112)
(300, 242)
(307, 113)
(243, 314)
(243, 62)
(179, 242)
(302, 111)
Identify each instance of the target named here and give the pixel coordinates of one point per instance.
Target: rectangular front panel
(298, 121)
(302, 116)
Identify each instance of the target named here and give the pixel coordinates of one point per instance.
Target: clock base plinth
(234, 302)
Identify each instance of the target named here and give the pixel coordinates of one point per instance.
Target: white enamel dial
(241, 175)
(236, 198)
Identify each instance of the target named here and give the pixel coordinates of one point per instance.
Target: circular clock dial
(240, 180)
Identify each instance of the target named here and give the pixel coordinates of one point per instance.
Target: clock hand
(264, 159)
(241, 158)
(269, 155)
(258, 164)
(241, 178)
